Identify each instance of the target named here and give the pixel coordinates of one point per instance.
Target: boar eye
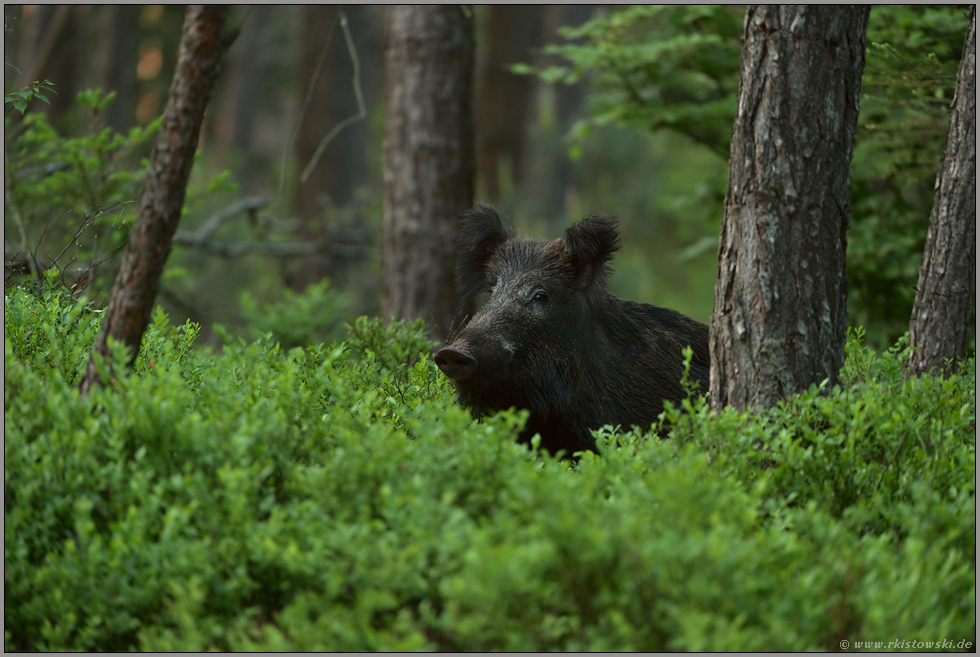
(540, 296)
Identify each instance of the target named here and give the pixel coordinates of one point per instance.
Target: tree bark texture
(428, 159)
(945, 295)
(780, 313)
(135, 289)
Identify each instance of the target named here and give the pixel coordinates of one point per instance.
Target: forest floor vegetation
(335, 498)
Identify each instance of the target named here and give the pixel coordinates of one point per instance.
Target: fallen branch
(272, 249)
(200, 236)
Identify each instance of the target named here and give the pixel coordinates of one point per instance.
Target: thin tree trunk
(428, 159)
(117, 73)
(343, 165)
(569, 100)
(505, 98)
(780, 316)
(162, 198)
(56, 56)
(945, 295)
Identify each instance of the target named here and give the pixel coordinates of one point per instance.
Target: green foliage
(78, 195)
(60, 187)
(393, 347)
(884, 455)
(18, 100)
(297, 319)
(48, 330)
(657, 66)
(676, 67)
(85, 176)
(909, 80)
(336, 498)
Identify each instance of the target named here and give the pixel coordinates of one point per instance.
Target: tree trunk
(55, 58)
(13, 31)
(944, 297)
(342, 167)
(135, 290)
(504, 98)
(241, 90)
(780, 316)
(428, 159)
(569, 101)
(252, 69)
(118, 51)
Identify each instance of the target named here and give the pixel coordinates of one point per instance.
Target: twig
(302, 112)
(362, 111)
(89, 220)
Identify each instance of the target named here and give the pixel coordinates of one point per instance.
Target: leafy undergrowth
(335, 498)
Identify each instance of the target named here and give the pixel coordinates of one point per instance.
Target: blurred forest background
(577, 109)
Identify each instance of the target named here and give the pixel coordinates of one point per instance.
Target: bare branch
(362, 111)
(215, 221)
(239, 249)
(302, 112)
(273, 249)
(337, 244)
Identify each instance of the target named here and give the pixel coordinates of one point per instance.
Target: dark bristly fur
(553, 340)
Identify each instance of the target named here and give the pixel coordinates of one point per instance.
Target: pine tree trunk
(504, 97)
(945, 295)
(569, 102)
(150, 240)
(780, 316)
(428, 155)
(118, 50)
(343, 165)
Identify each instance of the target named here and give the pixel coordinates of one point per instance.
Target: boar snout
(455, 364)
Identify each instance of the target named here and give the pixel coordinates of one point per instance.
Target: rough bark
(135, 289)
(945, 295)
(504, 98)
(428, 153)
(780, 315)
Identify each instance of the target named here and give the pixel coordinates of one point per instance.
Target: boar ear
(480, 233)
(589, 245)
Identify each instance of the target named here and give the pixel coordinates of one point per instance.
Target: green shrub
(72, 199)
(336, 498)
(47, 329)
(297, 319)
